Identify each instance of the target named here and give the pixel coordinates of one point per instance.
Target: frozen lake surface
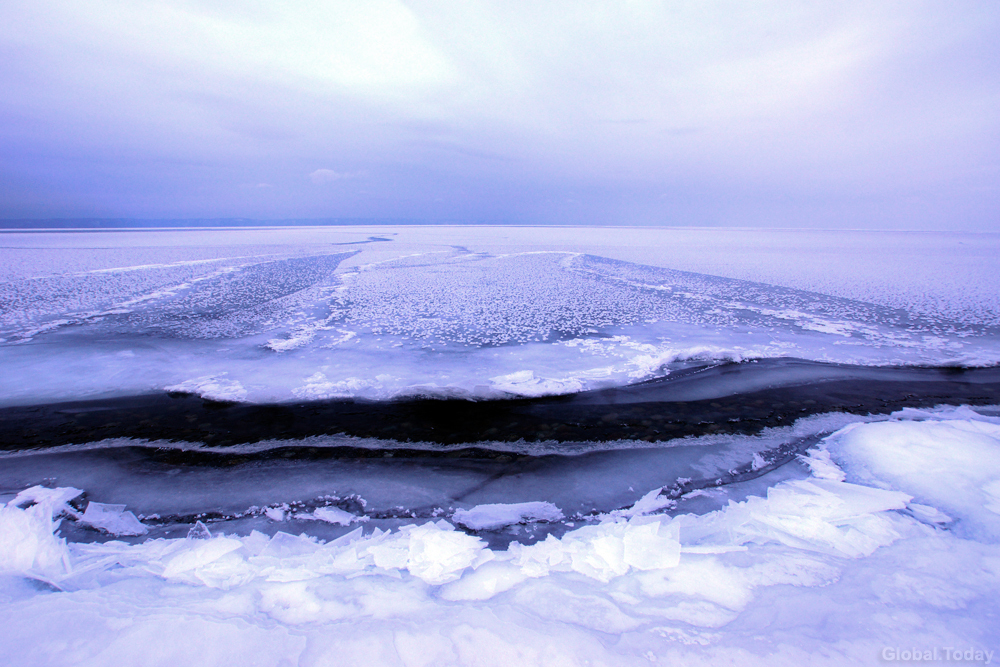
(312, 313)
(498, 445)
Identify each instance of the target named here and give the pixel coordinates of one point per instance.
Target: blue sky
(789, 114)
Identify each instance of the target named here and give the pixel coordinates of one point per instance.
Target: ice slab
(336, 515)
(113, 519)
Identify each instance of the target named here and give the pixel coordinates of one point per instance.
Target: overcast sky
(791, 114)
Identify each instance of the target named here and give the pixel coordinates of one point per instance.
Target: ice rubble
(827, 569)
(829, 517)
(42, 506)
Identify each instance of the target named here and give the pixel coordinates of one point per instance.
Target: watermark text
(937, 654)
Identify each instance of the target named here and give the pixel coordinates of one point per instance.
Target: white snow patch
(498, 515)
(212, 387)
(318, 386)
(336, 515)
(295, 340)
(524, 383)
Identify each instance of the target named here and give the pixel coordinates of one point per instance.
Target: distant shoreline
(26, 225)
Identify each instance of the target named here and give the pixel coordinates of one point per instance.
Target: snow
(497, 515)
(337, 516)
(212, 388)
(524, 383)
(951, 466)
(835, 567)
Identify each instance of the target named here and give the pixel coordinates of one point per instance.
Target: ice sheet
(303, 314)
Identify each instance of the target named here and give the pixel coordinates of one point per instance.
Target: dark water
(420, 459)
(735, 398)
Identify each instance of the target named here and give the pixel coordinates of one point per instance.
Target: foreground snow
(889, 546)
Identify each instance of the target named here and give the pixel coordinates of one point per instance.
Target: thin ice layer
(521, 481)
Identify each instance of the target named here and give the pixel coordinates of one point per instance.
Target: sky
(871, 115)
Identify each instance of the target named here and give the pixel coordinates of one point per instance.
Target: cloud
(742, 113)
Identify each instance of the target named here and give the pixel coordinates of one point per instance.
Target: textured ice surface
(827, 569)
(301, 314)
(886, 537)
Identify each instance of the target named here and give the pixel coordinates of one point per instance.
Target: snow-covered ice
(950, 467)
(831, 568)
(268, 315)
(212, 388)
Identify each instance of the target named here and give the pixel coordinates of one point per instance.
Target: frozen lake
(425, 444)
(277, 315)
